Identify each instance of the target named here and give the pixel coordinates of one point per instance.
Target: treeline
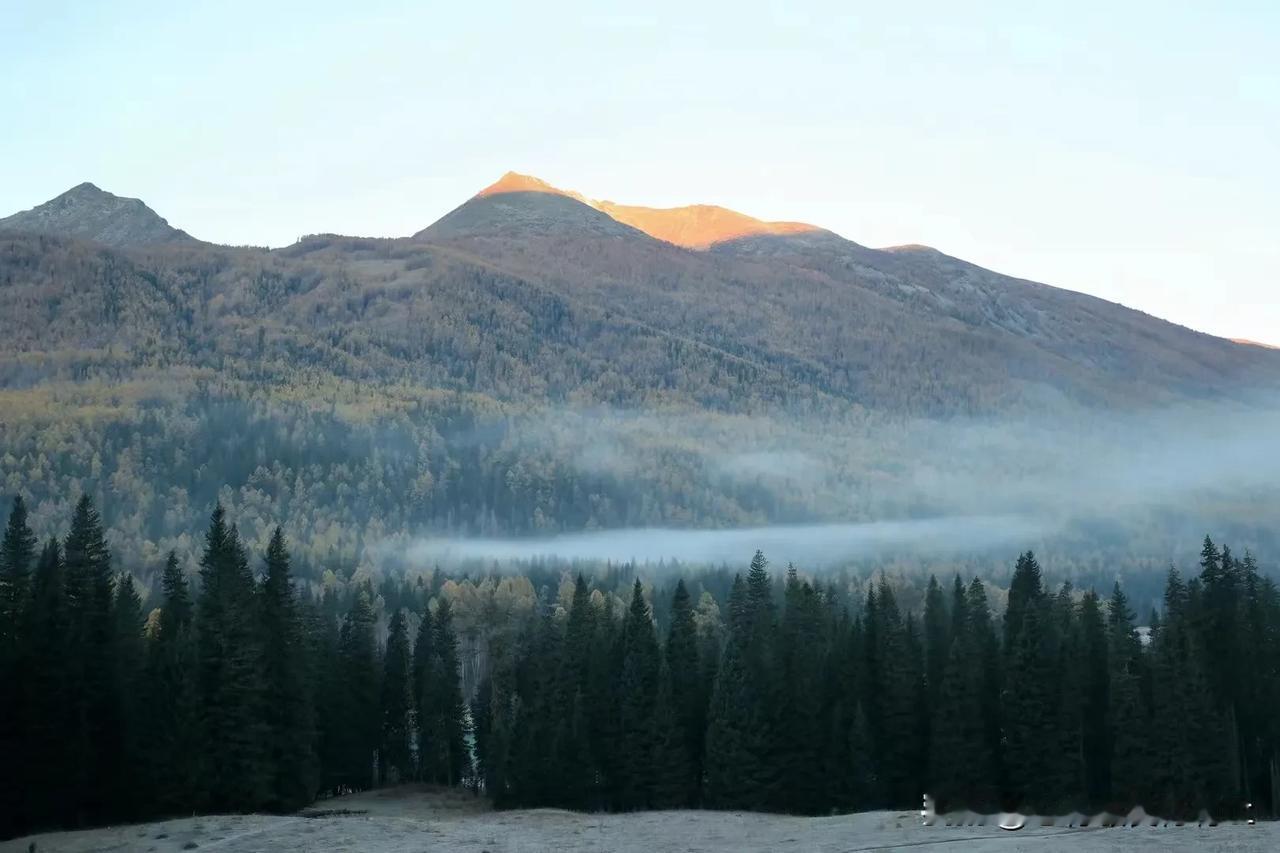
(243, 697)
(807, 709)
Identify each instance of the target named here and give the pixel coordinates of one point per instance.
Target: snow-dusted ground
(409, 819)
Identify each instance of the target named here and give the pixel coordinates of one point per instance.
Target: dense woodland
(240, 692)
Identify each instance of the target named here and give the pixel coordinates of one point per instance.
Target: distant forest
(244, 692)
(360, 392)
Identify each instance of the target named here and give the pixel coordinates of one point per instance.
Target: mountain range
(422, 372)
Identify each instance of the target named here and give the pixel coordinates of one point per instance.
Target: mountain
(530, 364)
(886, 327)
(88, 213)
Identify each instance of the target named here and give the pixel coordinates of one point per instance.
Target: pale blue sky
(1127, 149)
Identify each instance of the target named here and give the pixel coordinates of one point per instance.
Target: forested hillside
(530, 365)
(244, 692)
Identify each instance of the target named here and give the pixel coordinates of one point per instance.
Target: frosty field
(411, 819)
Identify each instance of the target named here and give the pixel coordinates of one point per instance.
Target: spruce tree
(452, 706)
(937, 638)
(130, 662)
(235, 759)
(396, 753)
(173, 709)
(288, 705)
(426, 697)
(573, 750)
(669, 788)
(17, 552)
(358, 725)
(95, 730)
(44, 686)
(959, 750)
(637, 696)
(688, 694)
(1094, 701)
(1029, 710)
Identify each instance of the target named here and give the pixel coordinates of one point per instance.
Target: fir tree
(17, 552)
(129, 646)
(358, 730)
(637, 695)
(173, 712)
(48, 758)
(396, 754)
(452, 705)
(289, 707)
(688, 694)
(235, 761)
(95, 730)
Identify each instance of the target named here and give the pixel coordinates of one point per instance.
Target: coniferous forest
(235, 692)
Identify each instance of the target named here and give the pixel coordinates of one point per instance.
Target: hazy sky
(1130, 150)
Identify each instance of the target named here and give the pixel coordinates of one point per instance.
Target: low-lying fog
(1155, 480)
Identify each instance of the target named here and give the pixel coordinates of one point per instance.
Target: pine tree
(289, 708)
(95, 730)
(396, 754)
(736, 778)
(426, 700)
(959, 749)
(688, 694)
(235, 760)
(17, 552)
(637, 696)
(803, 725)
(1029, 710)
(48, 758)
(1094, 700)
(358, 729)
(937, 638)
(130, 661)
(1025, 592)
(978, 613)
(173, 713)
(452, 705)
(573, 751)
(669, 788)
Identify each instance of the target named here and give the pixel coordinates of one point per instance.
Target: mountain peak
(88, 212)
(515, 182)
(695, 226)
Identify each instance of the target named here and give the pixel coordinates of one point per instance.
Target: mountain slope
(88, 213)
(530, 365)
(900, 328)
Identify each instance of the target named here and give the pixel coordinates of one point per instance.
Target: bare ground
(418, 819)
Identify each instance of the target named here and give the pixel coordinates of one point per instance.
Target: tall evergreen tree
(17, 553)
(637, 697)
(130, 650)
(452, 706)
(95, 731)
(358, 728)
(44, 685)
(288, 705)
(688, 693)
(235, 759)
(173, 708)
(396, 753)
